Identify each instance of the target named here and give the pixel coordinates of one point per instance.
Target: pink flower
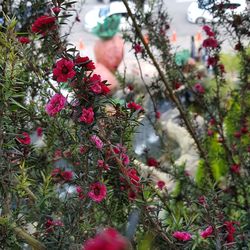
(39, 131)
(67, 175)
(64, 70)
(134, 106)
(183, 236)
(161, 184)
(85, 62)
(43, 24)
(210, 43)
(199, 88)
(97, 141)
(98, 191)
(207, 232)
(152, 162)
(87, 115)
(55, 105)
(210, 132)
(23, 39)
(25, 139)
(108, 239)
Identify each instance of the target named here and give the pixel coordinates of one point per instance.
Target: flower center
(65, 70)
(96, 191)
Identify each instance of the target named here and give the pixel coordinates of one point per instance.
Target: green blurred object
(181, 58)
(108, 28)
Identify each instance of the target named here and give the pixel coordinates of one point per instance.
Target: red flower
(161, 184)
(199, 88)
(133, 177)
(207, 232)
(43, 24)
(230, 230)
(108, 239)
(138, 48)
(98, 191)
(97, 86)
(23, 39)
(103, 165)
(131, 195)
(125, 159)
(87, 115)
(210, 132)
(177, 85)
(67, 175)
(55, 172)
(212, 61)
(237, 134)
(55, 105)
(80, 192)
(85, 62)
(64, 70)
(97, 141)
(183, 236)
(235, 168)
(152, 162)
(210, 43)
(25, 139)
(208, 30)
(56, 10)
(39, 131)
(51, 224)
(244, 130)
(157, 115)
(134, 106)
(202, 200)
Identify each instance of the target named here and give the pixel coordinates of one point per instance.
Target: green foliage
(217, 157)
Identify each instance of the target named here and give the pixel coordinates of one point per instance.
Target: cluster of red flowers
(108, 239)
(185, 236)
(210, 42)
(230, 230)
